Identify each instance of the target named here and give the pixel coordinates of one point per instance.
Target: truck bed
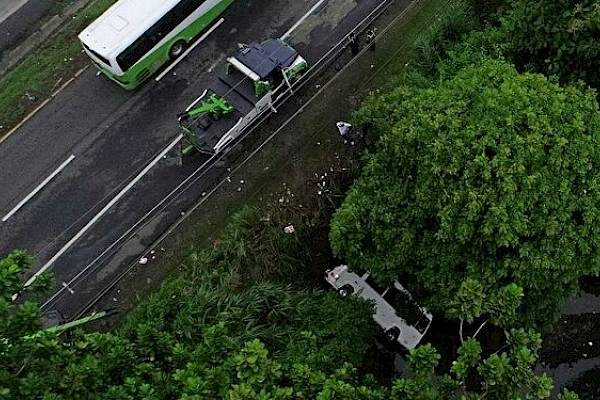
(238, 90)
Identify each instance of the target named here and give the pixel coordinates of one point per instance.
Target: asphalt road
(18, 17)
(110, 135)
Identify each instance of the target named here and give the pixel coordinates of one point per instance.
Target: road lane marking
(95, 219)
(301, 20)
(192, 47)
(37, 189)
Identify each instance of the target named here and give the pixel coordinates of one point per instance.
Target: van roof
(122, 23)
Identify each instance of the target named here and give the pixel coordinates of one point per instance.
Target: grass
(23, 88)
(403, 44)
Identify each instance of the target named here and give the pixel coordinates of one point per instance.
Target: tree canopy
(207, 333)
(556, 38)
(491, 175)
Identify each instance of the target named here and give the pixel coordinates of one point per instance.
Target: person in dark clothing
(371, 34)
(354, 44)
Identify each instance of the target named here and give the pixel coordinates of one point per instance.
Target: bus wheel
(177, 49)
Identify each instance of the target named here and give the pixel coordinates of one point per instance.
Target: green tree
(490, 175)
(217, 329)
(555, 37)
(477, 373)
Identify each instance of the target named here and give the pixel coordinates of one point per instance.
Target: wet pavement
(571, 347)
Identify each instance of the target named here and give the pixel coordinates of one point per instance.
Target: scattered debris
(68, 288)
(289, 229)
(143, 260)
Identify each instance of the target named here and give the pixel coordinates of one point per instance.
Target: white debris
(229, 179)
(289, 229)
(242, 181)
(590, 343)
(144, 260)
(152, 251)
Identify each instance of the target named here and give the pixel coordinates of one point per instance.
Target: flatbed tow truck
(256, 77)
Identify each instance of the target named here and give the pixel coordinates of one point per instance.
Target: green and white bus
(134, 38)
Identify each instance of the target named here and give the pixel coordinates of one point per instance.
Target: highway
(97, 164)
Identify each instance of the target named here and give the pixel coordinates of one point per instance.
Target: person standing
(371, 35)
(353, 44)
(345, 132)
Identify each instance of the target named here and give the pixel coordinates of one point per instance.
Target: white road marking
(192, 47)
(301, 20)
(37, 189)
(111, 203)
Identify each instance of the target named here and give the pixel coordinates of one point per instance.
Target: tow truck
(256, 77)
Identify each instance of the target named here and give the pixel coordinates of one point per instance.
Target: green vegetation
(480, 194)
(46, 69)
(491, 175)
(213, 332)
(208, 333)
(557, 38)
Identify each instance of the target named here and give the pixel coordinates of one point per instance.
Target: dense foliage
(556, 38)
(208, 333)
(204, 336)
(482, 199)
(491, 175)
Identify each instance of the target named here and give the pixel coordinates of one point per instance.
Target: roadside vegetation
(37, 77)
(479, 193)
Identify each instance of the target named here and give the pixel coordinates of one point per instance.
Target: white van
(395, 327)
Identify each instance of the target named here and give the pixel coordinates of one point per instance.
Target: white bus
(134, 38)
